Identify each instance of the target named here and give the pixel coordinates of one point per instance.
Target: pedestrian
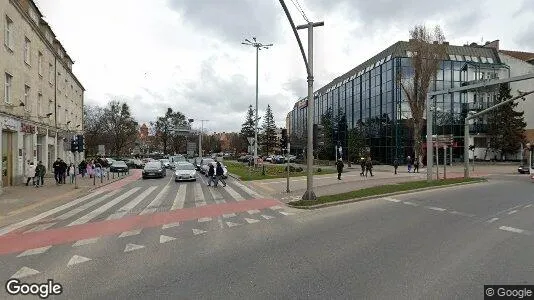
(83, 167)
(64, 168)
(72, 173)
(409, 161)
(211, 175)
(30, 173)
(395, 165)
(40, 172)
(219, 172)
(416, 165)
(56, 166)
(362, 164)
(339, 166)
(369, 166)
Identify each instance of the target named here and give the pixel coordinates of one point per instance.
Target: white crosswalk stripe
(234, 194)
(247, 190)
(199, 196)
(132, 204)
(95, 213)
(217, 196)
(179, 200)
(153, 206)
(92, 203)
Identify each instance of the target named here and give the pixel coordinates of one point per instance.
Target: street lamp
(258, 47)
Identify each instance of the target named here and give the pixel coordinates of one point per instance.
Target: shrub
(319, 170)
(299, 169)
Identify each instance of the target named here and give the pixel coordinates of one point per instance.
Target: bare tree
(119, 127)
(426, 49)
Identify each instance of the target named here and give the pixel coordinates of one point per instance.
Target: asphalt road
(443, 244)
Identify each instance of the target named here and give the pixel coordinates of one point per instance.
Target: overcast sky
(187, 54)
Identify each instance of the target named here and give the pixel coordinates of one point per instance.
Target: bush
(291, 169)
(299, 169)
(319, 170)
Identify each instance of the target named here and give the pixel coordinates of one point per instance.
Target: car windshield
(187, 167)
(153, 165)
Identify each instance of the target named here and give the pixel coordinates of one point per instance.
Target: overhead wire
(299, 8)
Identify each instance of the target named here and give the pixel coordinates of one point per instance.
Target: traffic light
(283, 139)
(80, 143)
(73, 144)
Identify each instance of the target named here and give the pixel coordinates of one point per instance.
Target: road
(445, 244)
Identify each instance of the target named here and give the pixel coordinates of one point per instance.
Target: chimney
(446, 43)
(494, 44)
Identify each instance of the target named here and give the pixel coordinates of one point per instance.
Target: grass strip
(272, 171)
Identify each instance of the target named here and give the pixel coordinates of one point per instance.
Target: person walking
(72, 172)
(369, 166)
(211, 175)
(56, 166)
(409, 161)
(339, 166)
(219, 172)
(40, 172)
(64, 168)
(30, 173)
(362, 164)
(396, 165)
(416, 165)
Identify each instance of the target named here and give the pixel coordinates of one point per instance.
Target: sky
(187, 54)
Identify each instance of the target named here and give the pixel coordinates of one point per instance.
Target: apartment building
(42, 105)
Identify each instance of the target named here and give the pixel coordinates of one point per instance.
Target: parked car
(154, 169)
(185, 171)
(523, 169)
(135, 164)
(118, 166)
(204, 165)
(166, 163)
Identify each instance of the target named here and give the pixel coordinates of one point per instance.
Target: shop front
(9, 150)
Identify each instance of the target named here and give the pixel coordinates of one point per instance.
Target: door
(7, 158)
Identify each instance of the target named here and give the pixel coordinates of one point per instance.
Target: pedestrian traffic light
(80, 143)
(283, 139)
(73, 144)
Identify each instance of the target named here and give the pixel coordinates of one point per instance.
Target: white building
(42, 105)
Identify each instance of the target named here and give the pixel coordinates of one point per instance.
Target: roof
(524, 56)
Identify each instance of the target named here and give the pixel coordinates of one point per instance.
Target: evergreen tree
(506, 126)
(326, 151)
(269, 138)
(247, 129)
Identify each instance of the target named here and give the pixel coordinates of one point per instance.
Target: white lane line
(199, 196)
(179, 200)
(231, 215)
(436, 208)
(267, 217)
(164, 239)
(76, 259)
(232, 224)
(95, 213)
(130, 233)
(221, 223)
(202, 220)
(276, 207)
(461, 214)
(220, 201)
(251, 221)
(528, 205)
(233, 193)
(24, 272)
(34, 251)
(253, 211)
(391, 199)
(493, 220)
(217, 196)
(512, 212)
(92, 203)
(41, 227)
(132, 247)
(121, 212)
(170, 225)
(85, 242)
(198, 231)
(512, 229)
(410, 203)
(153, 206)
(287, 213)
(45, 214)
(247, 190)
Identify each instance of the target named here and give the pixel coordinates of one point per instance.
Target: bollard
(108, 175)
(101, 177)
(94, 180)
(113, 175)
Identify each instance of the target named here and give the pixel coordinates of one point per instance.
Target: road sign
(251, 140)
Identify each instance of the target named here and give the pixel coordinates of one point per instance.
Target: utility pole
(200, 138)
(258, 47)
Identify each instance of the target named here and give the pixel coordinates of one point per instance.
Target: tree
(247, 129)
(166, 128)
(426, 57)
(93, 126)
(325, 151)
(506, 125)
(269, 138)
(356, 144)
(119, 127)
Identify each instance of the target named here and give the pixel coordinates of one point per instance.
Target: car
(523, 169)
(166, 163)
(118, 166)
(204, 165)
(135, 164)
(185, 171)
(154, 169)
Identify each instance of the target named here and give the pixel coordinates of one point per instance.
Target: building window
(27, 91)
(27, 44)
(490, 60)
(50, 73)
(8, 33)
(40, 63)
(40, 104)
(7, 88)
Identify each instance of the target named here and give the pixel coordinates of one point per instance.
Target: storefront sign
(11, 124)
(41, 131)
(27, 128)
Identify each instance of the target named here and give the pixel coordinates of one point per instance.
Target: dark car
(154, 169)
(523, 169)
(118, 166)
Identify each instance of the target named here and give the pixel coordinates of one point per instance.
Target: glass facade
(373, 98)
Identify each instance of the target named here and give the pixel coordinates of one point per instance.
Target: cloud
(526, 38)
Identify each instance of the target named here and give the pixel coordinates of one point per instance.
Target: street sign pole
(445, 161)
(287, 155)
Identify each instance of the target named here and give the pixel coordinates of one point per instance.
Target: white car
(185, 171)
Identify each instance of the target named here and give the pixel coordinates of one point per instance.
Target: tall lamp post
(258, 47)
(200, 138)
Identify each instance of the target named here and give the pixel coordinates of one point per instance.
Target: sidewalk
(17, 199)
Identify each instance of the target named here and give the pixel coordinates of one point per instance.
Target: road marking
(24, 272)
(85, 242)
(266, 217)
(234, 193)
(152, 206)
(391, 199)
(164, 239)
(251, 221)
(130, 233)
(512, 229)
(199, 196)
(247, 190)
(220, 201)
(276, 207)
(528, 205)
(41, 227)
(45, 214)
(221, 223)
(198, 231)
(410, 203)
(87, 205)
(170, 225)
(95, 213)
(287, 213)
(76, 259)
(461, 214)
(121, 212)
(206, 219)
(253, 211)
(217, 196)
(512, 212)
(436, 208)
(232, 224)
(493, 220)
(34, 251)
(179, 200)
(132, 247)
(226, 216)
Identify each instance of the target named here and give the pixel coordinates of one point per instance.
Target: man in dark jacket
(396, 165)
(339, 166)
(63, 171)
(40, 172)
(369, 167)
(362, 164)
(219, 172)
(211, 175)
(56, 166)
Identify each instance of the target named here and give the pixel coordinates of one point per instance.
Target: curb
(381, 195)
(234, 176)
(107, 183)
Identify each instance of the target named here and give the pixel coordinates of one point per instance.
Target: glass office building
(369, 95)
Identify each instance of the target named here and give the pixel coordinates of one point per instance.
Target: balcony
(478, 128)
